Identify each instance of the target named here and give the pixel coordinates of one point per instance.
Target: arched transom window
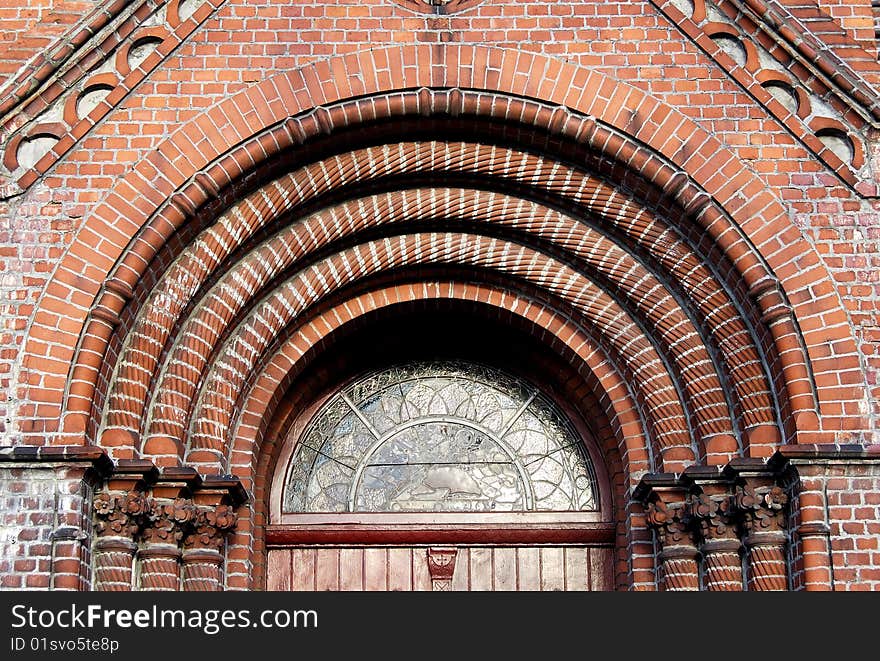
(439, 437)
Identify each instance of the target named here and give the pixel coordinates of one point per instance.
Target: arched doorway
(439, 473)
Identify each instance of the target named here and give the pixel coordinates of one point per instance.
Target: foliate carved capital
(671, 521)
(762, 507)
(169, 520)
(714, 515)
(210, 527)
(120, 515)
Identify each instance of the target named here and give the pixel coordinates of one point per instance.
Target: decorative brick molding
(713, 510)
(782, 516)
(168, 521)
(61, 96)
(764, 520)
(669, 514)
(148, 519)
(202, 554)
(120, 513)
(828, 105)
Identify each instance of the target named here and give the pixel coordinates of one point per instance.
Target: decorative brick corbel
(441, 566)
(665, 498)
(120, 512)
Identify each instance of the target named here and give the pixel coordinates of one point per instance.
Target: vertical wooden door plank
(351, 569)
(278, 570)
(552, 568)
(375, 569)
(601, 568)
(400, 569)
(481, 569)
(577, 575)
(303, 569)
(327, 575)
(528, 568)
(505, 568)
(460, 577)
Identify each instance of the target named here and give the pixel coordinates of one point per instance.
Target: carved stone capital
(714, 515)
(762, 507)
(672, 521)
(210, 527)
(169, 520)
(119, 515)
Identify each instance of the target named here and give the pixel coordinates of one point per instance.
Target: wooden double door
(575, 567)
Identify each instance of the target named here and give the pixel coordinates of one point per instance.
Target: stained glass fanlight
(439, 437)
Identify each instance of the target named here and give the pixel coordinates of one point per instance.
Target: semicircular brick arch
(292, 350)
(729, 207)
(617, 332)
(603, 259)
(189, 352)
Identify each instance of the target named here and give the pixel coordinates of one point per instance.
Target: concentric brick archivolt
(623, 273)
(615, 269)
(291, 350)
(605, 260)
(617, 331)
(268, 391)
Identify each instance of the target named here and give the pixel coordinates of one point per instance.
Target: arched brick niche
(667, 275)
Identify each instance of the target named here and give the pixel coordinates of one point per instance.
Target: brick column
(171, 516)
(203, 548)
(118, 520)
(160, 555)
(715, 516)
(668, 515)
(815, 550)
(67, 558)
(762, 504)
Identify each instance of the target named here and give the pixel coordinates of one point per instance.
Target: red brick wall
(846, 497)
(42, 527)
(29, 27)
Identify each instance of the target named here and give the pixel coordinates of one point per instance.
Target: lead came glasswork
(439, 437)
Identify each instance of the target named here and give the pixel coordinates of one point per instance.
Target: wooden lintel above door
(392, 530)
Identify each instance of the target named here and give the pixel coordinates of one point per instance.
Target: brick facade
(669, 206)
